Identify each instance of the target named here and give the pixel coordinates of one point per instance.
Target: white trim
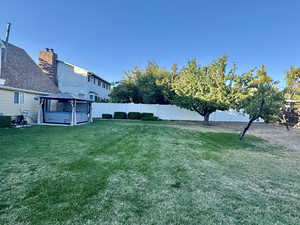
(23, 90)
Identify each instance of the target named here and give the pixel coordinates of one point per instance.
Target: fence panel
(165, 112)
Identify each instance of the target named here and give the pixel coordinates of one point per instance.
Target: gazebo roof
(65, 96)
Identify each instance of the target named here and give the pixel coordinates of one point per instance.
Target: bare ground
(273, 133)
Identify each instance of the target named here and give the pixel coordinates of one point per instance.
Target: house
(22, 82)
(73, 79)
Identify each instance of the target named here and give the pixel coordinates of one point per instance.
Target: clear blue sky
(111, 36)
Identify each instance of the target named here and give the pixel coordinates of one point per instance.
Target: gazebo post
(75, 113)
(72, 114)
(90, 116)
(40, 112)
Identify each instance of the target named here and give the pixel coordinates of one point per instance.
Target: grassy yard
(127, 172)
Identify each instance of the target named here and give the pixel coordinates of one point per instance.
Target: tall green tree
(205, 89)
(264, 100)
(125, 92)
(292, 78)
(142, 86)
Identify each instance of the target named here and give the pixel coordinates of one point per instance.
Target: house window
(94, 80)
(89, 78)
(91, 97)
(18, 97)
(99, 82)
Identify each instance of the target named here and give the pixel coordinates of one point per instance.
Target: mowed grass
(134, 172)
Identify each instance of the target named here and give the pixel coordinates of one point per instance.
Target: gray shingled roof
(20, 71)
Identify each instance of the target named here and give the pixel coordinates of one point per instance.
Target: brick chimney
(48, 63)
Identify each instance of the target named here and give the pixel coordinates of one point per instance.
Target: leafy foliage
(205, 89)
(142, 86)
(106, 116)
(146, 115)
(134, 115)
(5, 121)
(120, 115)
(293, 83)
(265, 100)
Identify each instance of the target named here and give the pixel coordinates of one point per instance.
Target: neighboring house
(73, 79)
(21, 83)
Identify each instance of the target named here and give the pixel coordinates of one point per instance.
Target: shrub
(106, 116)
(150, 118)
(134, 115)
(5, 121)
(120, 115)
(146, 115)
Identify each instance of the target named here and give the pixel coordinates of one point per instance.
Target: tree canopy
(142, 86)
(264, 100)
(205, 89)
(292, 78)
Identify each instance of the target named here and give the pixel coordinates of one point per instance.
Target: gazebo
(64, 109)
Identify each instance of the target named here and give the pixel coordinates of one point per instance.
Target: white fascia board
(23, 90)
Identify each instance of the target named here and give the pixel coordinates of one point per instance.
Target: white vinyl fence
(165, 112)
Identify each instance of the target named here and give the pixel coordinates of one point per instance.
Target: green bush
(106, 116)
(134, 115)
(146, 115)
(120, 115)
(150, 118)
(5, 121)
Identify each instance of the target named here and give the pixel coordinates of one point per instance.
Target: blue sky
(111, 36)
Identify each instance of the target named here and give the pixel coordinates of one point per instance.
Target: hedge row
(131, 116)
(106, 116)
(5, 121)
(120, 115)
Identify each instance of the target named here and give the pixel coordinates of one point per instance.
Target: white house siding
(166, 112)
(74, 80)
(29, 108)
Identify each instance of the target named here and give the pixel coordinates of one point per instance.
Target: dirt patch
(275, 134)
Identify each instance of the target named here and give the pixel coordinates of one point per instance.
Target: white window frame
(20, 97)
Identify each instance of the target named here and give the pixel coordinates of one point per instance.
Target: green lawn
(127, 172)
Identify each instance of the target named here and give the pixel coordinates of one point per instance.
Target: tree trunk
(206, 119)
(246, 128)
(206, 115)
(262, 103)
